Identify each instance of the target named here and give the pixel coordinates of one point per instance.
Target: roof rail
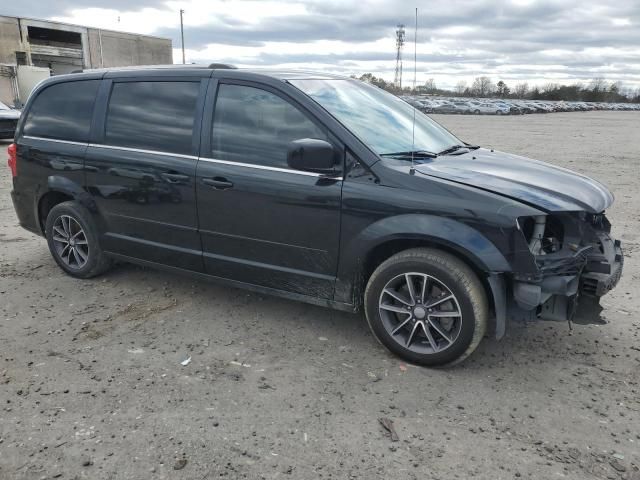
(222, 66)
(162, 67)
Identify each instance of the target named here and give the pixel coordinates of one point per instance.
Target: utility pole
(182, 34)
(399, 44)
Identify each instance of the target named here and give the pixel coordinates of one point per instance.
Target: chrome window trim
(68, 142)
(266, 167)
(141, 150)
(191, 157)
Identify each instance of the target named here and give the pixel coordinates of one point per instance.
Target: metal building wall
(91, 48)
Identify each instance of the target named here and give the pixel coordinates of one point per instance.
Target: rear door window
(63, 111)
(156, 116)
(252, 125)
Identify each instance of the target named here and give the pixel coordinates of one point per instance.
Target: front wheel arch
(385, 250)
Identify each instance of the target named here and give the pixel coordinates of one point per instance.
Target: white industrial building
(31, 49)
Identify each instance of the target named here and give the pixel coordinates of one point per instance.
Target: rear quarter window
(63, 111)
(156, 116)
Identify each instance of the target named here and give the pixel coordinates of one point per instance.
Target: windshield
(381, 120)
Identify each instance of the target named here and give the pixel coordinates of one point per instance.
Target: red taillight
(13, 159)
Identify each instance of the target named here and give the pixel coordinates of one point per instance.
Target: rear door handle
(219, 183)
(175, 177)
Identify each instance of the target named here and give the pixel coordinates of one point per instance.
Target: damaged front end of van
(571, 260)
(576, 262)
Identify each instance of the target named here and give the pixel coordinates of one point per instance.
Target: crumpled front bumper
(569, 288)
(603, 273)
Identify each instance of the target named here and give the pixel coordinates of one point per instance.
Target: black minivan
(311, 186)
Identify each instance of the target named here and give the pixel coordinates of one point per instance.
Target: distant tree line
(598, 90)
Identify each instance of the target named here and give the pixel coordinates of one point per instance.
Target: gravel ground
(92, 386)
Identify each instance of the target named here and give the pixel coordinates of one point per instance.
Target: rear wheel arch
(49, 200)
(61, 189)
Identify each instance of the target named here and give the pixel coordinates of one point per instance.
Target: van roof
(178, 69)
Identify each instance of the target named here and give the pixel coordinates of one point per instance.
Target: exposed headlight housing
(543, 233)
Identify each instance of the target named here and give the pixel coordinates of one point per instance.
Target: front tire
(73, 241)
(427, 307)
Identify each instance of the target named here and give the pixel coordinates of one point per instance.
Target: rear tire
(439, 324)
(73, 241)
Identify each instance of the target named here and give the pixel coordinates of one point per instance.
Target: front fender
(440, 230)
(451, 234)
(456, 236)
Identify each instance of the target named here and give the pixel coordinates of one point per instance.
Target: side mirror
(311, 155)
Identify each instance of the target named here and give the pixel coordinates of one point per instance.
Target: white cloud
(514, 40)
(144, 21)
(621, 22)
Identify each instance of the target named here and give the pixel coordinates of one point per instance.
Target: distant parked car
(524, 107)
(444, 107)
(512, 108)
(488, 108)
(456, 106)
(421, 104)
(8, 121)
(462, 106)
(414, 103)
(428, 105)
(537, 107)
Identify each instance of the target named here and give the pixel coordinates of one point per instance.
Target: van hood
(530, 181)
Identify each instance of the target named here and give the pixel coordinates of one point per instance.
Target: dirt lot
(92, 386)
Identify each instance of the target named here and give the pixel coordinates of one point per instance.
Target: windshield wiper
(409, 154)
(451, 149)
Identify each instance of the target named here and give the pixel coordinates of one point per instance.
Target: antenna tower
(399, 44)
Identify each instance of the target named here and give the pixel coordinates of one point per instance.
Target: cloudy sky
(513, 40)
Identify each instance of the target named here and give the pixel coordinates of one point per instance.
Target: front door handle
(219, 183)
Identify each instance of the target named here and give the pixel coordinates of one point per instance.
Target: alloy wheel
(70, 242)
(420, 313)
